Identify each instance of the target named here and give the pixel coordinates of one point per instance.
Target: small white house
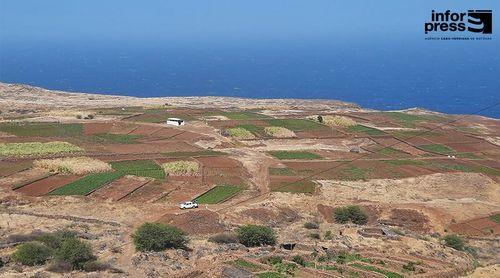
(175, 121)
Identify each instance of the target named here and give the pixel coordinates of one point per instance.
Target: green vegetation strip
(218, 194)
(256, 130)
(364, 129)
(42, 129)
(194, 154)
(141, 168)
(281, 172)
(387, 273)
(37, 148)
(242, 115)
(294, 155)
(353, 173)
(496, 218)
(295, 124)
(409, 120)
(109, 138)
(271, 275)
(438, 148)
(303, 186)
(87, 184)
(247, 265)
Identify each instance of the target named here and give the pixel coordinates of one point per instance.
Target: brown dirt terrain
(120, 188)
(44, 186)
(195, 222)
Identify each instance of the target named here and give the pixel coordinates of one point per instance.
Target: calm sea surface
(451, 77)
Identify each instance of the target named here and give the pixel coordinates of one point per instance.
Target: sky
(163, 21)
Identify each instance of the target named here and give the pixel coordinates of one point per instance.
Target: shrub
(299, 260)
(32, 253)
(92, 266)
(272, 260)
(158, 237)
(311, 225)
(75, 252)
(59, 267)
(320, 119)
(55, 240)
(314, 236)
(328, 235)
(224, 238)
(454, 241)
(255, 235)
(410, 266)
(181, 168)
(351, 213)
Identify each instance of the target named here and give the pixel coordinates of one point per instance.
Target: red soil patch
(167, 132)
(145, 130)
(197, 222)
(122, 128)
(476, 227)
(409, 219)
(264, 216)
(219, 162)
(120, 188)
(142, 148)
(319, 133)
(46, 185)
(23, 177)
(96, 128)
(148, 193)
(9, 168)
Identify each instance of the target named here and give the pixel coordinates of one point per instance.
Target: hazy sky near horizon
(220, 20)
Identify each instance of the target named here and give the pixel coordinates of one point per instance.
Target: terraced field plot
(365, 129)
(37, 149)
(88, 184)
(294, 155)
(42, 129)
(245, 115)
(110, 138)
(292, 185)
(140, 168)
(296, 124)
(218, 194)
(411, 120)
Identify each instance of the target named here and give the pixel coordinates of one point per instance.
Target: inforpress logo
(474, 21)
(480, 21)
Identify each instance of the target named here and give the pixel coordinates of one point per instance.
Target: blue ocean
(459, 77)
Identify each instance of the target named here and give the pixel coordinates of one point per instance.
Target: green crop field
(364, 129)
(141, 168)
(37, 149)
(409, 120)
(218, 194)
(87, 184)
(109, 138)
(405, 134)
(271, 275)
(388, 274)
(242, 115)
(281, 172)
(295, 124)
(388, 151)
(42, 129)
(438, 148)
(302, 186)
(294, 155)
(401, 162)
(353, 173)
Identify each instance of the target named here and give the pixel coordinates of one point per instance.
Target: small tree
(255, 235)
(158, 237)
(454, 241)
(32, 253)
(350, 213)
(320, 119)
(75, 252)
(55, 240)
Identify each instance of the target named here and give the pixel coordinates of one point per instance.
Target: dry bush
(330, 120)
(279, 132)
(73, 165)
(224, 238)
(240, 133)
(181, 168)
